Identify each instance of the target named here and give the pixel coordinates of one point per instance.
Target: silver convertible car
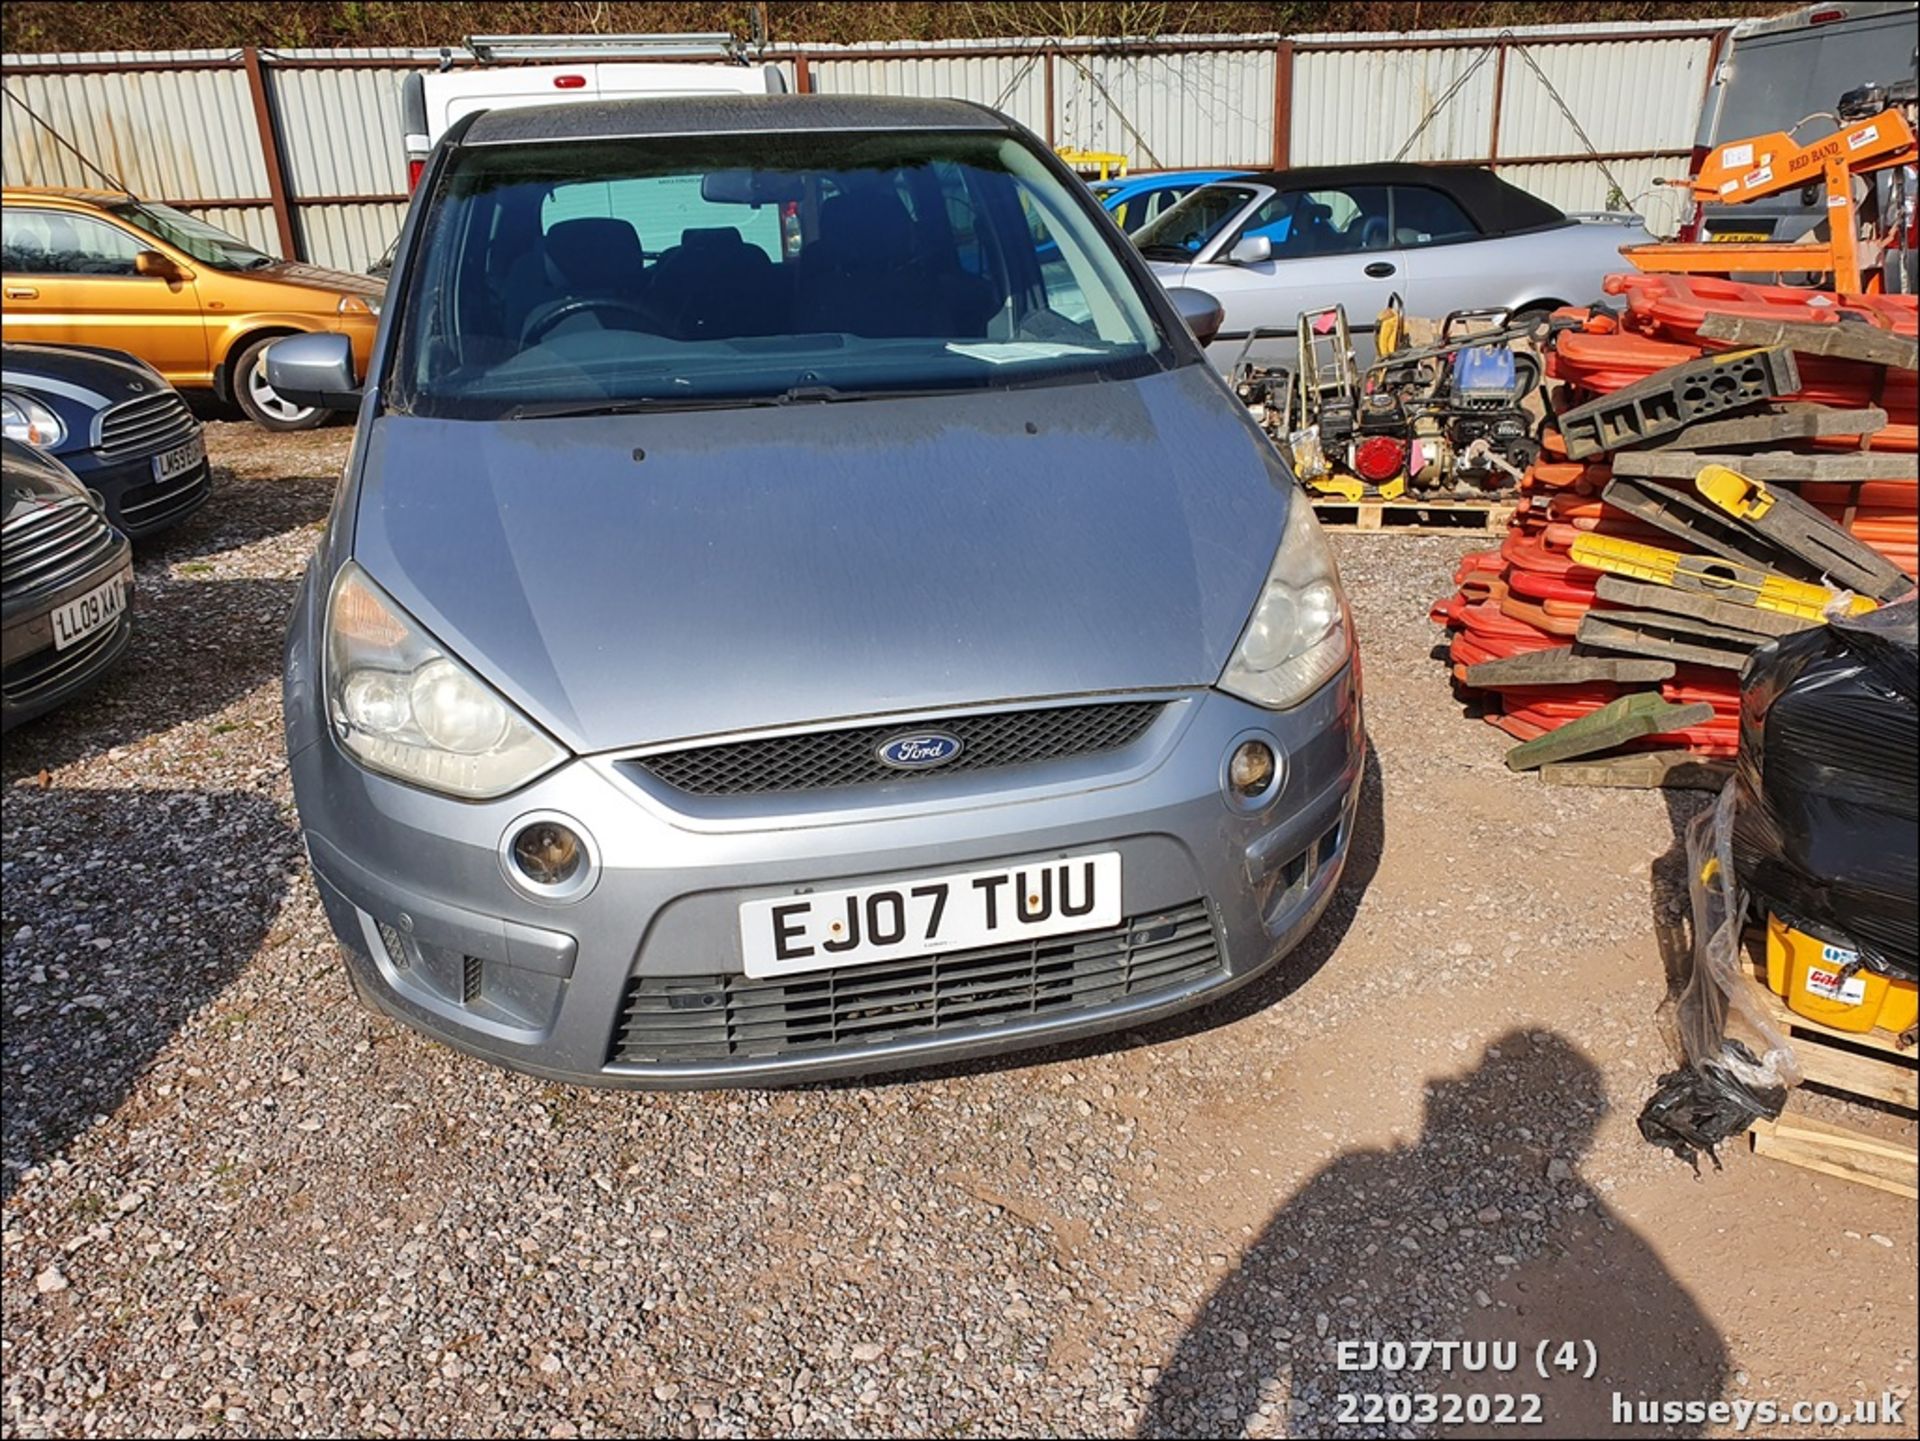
(759, 637)
(1441, 237)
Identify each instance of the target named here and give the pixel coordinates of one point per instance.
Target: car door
(1449, 263)
(70, 280)
(1330, 246)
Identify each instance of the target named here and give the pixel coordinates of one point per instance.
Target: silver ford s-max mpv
(799, 602)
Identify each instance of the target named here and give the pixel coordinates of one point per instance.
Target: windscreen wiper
(636, 405)
(809, 393)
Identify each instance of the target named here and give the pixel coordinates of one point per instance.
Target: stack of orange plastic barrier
(1528, 594)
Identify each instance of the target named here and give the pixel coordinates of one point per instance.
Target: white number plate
(82, 616)
(181, 459)
(790, 935)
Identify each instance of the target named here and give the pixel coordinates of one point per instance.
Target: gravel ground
(237, 1204)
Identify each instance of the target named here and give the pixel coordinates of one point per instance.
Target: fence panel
(173, 134)
(181, 125)
(1169, 111)
(1015, 84)
(1353, 106)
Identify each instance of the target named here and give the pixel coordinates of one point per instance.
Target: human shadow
(1481, 1231)
(94, 986)
(1285, 977)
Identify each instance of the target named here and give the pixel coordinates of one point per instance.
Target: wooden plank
(1839, 1151)
(1765, 465)
(1414, 517)
(1843, 340)
(1856, 1074)
(1790, 422)
(1645, 770)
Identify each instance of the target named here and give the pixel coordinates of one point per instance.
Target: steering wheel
(545, 317)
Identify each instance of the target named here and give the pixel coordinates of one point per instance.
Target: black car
(66, 586)
(110, 419)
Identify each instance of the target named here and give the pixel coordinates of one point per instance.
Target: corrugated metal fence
(299, 151)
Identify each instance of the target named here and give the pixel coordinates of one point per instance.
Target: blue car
(1133, 200)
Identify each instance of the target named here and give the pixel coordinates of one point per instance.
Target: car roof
(78, 194)
(1493, 204)
(651, 115)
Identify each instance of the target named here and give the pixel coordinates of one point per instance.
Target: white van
(429, 103)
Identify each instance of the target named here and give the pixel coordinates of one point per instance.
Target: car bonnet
(637, 579)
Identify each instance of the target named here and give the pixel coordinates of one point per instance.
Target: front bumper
(136, 503)
(34, 676)
(438, 937)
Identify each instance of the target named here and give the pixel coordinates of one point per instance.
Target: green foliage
(39, 26)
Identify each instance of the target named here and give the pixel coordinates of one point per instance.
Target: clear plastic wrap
(1724, 1086)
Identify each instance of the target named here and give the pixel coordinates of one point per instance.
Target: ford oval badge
(919, 751)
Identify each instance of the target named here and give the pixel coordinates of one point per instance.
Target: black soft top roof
(1495, 206)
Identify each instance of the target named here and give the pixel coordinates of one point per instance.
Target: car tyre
(263, 405)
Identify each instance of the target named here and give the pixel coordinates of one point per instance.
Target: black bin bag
(1827, 813)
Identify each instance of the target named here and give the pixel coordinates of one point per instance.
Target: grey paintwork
(780, 565)
(1560, 265)
(774, 568)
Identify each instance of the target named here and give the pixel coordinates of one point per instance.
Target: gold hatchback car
(92, 267)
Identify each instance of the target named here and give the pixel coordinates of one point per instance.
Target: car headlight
(402, 705)
(1300, 633)
(360, 304)
(26, 420)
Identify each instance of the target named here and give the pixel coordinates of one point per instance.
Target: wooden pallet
(1415, 517)
(1866, 1065)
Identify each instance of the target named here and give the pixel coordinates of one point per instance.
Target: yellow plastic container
(1806, 971)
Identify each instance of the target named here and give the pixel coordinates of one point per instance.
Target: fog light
(1252, 768)
(548, 854)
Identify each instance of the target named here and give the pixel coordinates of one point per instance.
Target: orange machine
(1766, 164)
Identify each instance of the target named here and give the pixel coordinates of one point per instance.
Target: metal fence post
(270, 153)
(1499, 97)
(1047, 59)
(1282, 104)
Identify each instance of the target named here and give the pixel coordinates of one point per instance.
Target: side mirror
(314, 370)
(1250, 250)
(1203, 314)
(156, 265)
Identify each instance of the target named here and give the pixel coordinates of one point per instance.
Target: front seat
(861, 276)
(597, 256)
(713, 285)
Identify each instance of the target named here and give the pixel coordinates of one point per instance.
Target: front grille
(820, 759)
(46, 671)
(146, 426)
(149, 506)
(51, 544)
(669, 1019)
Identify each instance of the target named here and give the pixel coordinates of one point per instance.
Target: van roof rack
(692, 45)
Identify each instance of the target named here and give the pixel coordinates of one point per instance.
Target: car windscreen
(206, 243)
(1183, 231)
(711, 270)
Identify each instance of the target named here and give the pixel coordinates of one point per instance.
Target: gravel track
(237, 1204)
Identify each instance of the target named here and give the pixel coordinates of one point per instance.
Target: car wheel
(264, 405)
